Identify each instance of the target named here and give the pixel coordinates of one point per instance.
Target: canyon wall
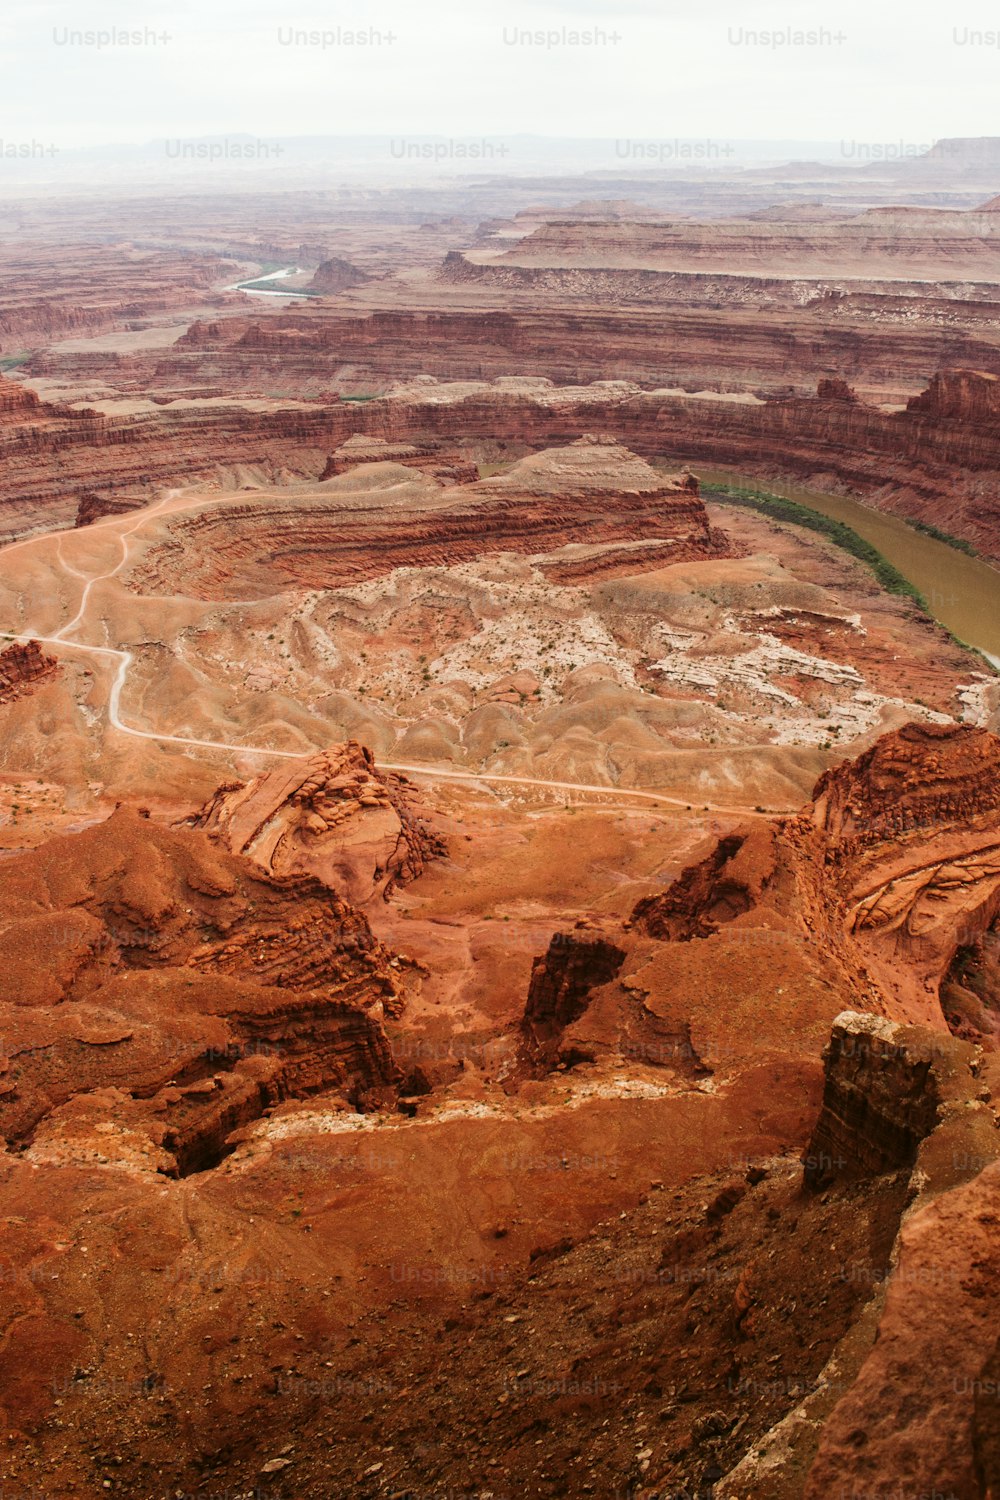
(721, 341)
(937, 460)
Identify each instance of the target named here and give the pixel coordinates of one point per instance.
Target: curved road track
(124, 660)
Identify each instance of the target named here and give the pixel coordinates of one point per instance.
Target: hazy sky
(658, 69)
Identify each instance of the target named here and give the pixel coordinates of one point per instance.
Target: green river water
(962, 592)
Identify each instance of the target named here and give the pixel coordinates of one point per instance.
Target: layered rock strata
(881, 1100)
(936, 460)
(429, 457)
(563, 980)
(894, 866)
(592, 495)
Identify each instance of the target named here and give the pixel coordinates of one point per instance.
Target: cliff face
(335, 816)
(920, 1417)
(970, 397)
(893, 868)
(53, 458)
(54, 291)
(923, 777)
(92, 507)
(936, 460)
(880, 1101)
(737, 876)
(16, 401)
(563, 980)
(883, 242)
(865, 336)
(429, 457)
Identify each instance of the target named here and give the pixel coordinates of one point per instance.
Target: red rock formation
(93, 508)
(835, 390)
(335, 816)
(881, 339)
(882, 242)
(893, 868)
(203, 990)
(21, 665)
(54, 292)
(922, 777)
(914, 1422)
(50, 454)
(17, 402)
(936, 460)
(591, 495)
(940, 468)
(741, 871)
(882, 1097)
(562, 981)
(336, 275)
(968, 397)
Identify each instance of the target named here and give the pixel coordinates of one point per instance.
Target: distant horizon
(394, 159)
(90, 76)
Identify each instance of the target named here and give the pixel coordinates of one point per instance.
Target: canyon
(935, 460)
(500, 907)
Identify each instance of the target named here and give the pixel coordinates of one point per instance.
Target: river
(962, 592)
(260, 291)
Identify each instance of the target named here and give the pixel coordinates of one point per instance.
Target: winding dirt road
(124, 660)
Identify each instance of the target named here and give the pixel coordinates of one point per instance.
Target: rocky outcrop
(892, 869)
(918, 1418)
(336, 275)
(334, 816)
(563, 980)
(933, 461)
(183, 987)
(881, 1099)
(969, 397)
(733, 880)
(429, 457)
(835, 390)
(92, 507)
(16, 401)
(922, 777)
(905, 1403)
(21, 666)
(912, 832)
